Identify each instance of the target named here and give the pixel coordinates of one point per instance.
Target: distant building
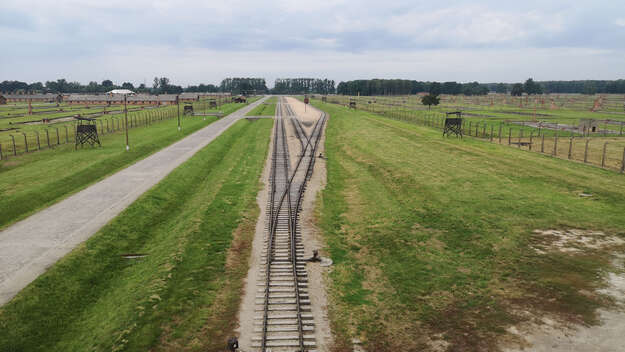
(189, 97)
(118, 99)
(120, 91)
(588, 125)
(35, 98)
(239, 99)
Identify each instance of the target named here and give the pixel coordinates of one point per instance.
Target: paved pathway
(29, 247)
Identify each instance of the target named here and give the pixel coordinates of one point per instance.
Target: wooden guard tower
(453, 125)
(86, 132)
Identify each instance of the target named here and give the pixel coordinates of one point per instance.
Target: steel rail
(280, 133)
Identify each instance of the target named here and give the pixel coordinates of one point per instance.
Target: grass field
(36, 180)
(33, 181)
(496, 109)
(195, 230)
(266, 109)
(65, 126)
(432, 238)
(603, 149)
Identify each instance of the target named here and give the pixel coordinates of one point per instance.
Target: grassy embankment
(266, 109)
(195, 228)
(33, 181)
(432, 237)
(541, 139)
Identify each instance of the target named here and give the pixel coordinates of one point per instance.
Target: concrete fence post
(605, 147)
(555, 146)
(58, 139)
(499, 135)
(1, 158)
(510, 136)
(38, 143)
(531, 139)
(48, 137)
(622, 161)
(491, 133)
(571, 147)
(25, 142)
(14, 149)
(586, 150)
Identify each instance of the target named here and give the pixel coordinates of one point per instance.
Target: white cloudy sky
(193, 41)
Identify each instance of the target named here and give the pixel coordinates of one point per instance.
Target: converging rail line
(286, 321)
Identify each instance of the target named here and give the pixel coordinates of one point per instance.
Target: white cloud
(198, 40)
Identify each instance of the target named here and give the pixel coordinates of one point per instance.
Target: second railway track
(284, 320)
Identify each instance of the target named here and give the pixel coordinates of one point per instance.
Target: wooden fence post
(38, 143)
(469, 128)
(48, 137)
(542, 143)
(500, 132)
(622, 161)
(477, 129)
(605, 146)
(491, 133)
(1, 151)
(555, 146)
(25, 142)
(531, 139)
(509, 135)
(571, 147)
(586, 150)
(484, 130)
(520, 137)
(14, 150)
(66, 135)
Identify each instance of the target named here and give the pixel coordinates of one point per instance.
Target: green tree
(128, 85)
(589, 88)
(517, 90)
(435, 89)
(532, 87)
(430, 100)
(501, 88)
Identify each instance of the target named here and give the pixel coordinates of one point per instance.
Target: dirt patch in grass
(574, 240)
(552, 333)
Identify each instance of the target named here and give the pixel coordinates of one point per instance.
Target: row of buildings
(108, 99)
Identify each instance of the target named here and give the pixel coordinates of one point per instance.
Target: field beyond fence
(607, 152)
(17, 143)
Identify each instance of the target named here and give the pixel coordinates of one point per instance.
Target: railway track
(284, 321)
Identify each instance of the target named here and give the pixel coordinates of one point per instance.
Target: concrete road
(30, 246)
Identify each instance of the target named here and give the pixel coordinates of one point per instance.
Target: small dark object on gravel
(233, 344)
(315, 258)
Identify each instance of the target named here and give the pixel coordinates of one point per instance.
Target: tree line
(303, 86)
(162, 85)
(404, 87)
(240, 85)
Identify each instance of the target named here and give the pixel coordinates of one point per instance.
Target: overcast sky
(206, 40)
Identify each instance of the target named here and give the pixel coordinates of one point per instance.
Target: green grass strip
(96, 300)
(36, 180)
(433, 235)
